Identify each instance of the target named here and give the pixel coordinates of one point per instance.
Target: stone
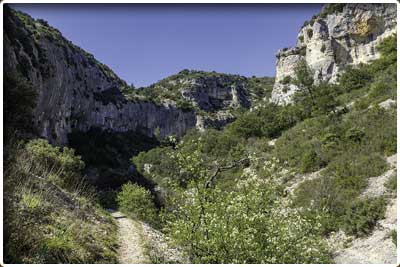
(330, 44)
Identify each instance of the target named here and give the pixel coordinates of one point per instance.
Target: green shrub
(266, 121)
(355, 78)
(302, 150)
(184, 105)
(138, 202)
(45, 223)
(65, 160)
(309, 33)
(361, 216)
(286, 80)
(245, 225)
(393, 235)
(331, 9)
(340, 184)
(391, 184)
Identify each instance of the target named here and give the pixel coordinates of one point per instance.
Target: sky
(144, 43)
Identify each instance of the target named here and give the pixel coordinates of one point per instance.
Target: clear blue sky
(144, 43)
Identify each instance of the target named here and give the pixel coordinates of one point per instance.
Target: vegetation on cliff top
(171, 87)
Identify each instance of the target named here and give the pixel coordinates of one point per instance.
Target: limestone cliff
(75, 90)
(213, 95)
(341, 35)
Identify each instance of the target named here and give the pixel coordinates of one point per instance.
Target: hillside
(204, 167)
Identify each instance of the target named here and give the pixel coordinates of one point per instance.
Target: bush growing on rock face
(286, 80)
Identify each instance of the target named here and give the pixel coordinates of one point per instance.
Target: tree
(314, 99)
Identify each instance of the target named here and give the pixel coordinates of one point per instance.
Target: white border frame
(175, 1)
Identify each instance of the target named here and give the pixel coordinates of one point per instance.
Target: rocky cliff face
(75, 90)
(213, 95)
(341, 35)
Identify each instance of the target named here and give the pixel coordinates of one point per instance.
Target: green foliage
(247, 225)
(304, 76)
(286, 80)
(355, 78)
(336, 191)
(309, 33)
(391, 184)
(137, 202)
(184, 105)
(373, 83)
(259, 87)
(361, 216)
(108, 199)
(46, 223)
(331, 9)
(318, 100)
(303, 150)
(65, 160)
(269, 120)
(329, 137)
(393, 235)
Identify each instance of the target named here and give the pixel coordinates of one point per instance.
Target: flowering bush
(250, 224)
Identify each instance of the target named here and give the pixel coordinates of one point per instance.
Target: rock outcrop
(341, 35)
(75, 91)
(213, 95)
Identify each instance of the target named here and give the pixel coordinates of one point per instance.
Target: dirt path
(131, 249)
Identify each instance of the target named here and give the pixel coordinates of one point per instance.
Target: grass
(46, 223)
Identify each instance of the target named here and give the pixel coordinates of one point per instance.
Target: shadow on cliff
(107, 156)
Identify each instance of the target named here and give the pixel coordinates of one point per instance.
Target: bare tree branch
(219, 169)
